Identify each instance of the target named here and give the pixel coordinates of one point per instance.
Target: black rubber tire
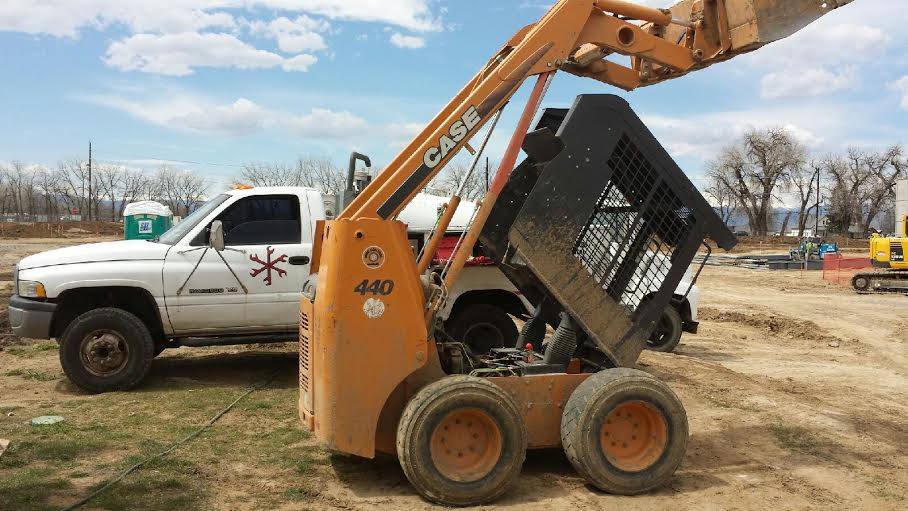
(667, 334)
(473, 323)
(860, 283)
(589, 405)
(159, 347)
(424, 412)
(129, 327)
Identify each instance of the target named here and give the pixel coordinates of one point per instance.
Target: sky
(207, 85)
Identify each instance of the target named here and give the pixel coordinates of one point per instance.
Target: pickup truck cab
(114, 306)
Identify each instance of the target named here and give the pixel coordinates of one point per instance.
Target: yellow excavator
(888, 256)
(596, 227)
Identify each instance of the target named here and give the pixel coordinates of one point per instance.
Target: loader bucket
(606, 229)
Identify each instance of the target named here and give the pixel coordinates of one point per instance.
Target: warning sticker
(374, 308)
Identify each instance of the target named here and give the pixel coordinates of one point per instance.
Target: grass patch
(300, 494)
(796, 438)
(29, 374)
(55, 445)
(28, 489)
(160, 485)
(31, 350)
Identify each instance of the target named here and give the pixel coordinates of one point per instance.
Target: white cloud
(807, 81)
(821, 59)
(179, 54)
(293, 36)
(410, 14)
(901, 86)
(701, 137)
(67, 18)
(407, 41)
(242, 117)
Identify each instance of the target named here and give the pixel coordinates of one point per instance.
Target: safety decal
(269, 265)
(374, 308)
(373, 257)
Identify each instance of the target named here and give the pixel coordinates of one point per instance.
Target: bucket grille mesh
(628, 242)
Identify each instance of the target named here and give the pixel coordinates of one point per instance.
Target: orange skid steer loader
(596, 227)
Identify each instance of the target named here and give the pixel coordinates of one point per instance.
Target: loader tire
(106, 349)
(461, 441)
(483, 327)
(624, 431)
(667, 334)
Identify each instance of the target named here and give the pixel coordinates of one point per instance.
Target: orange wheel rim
(466, 445)
(633, 436)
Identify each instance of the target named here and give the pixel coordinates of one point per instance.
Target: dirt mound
(773, 323)
(59, 230)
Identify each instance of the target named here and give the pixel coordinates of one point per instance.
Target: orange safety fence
(839, 270)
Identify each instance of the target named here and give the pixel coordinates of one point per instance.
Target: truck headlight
(31, 289)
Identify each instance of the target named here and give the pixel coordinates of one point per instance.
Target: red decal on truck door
(268, 265)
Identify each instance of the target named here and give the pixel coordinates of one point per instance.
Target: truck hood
(125, 250)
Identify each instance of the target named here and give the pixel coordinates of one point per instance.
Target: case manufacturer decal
(373, 257)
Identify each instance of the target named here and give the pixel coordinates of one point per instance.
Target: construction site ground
(796, 391)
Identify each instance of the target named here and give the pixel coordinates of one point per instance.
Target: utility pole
(89, 180)
(816, 231)
(487, 174)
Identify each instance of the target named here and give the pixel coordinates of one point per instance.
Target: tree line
(769, 174)
(32, 192)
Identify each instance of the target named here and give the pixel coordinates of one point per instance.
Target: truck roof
(262, 190)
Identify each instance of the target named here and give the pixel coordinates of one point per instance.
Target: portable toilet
(146, 220)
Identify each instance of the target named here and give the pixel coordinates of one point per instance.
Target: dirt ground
(796, 392)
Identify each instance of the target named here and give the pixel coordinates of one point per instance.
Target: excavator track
(891, 281)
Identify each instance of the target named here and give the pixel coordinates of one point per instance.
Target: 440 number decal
(374, 287)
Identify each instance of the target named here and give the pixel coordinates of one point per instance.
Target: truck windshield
(176, 233)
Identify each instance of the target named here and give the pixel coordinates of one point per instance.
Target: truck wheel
(483, 327)
(624, 431)
(461, 441)
(106, 349)
(667, 334)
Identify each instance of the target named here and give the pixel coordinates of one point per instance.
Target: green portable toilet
(146, 220)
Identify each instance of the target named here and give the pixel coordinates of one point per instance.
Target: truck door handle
(299, 260)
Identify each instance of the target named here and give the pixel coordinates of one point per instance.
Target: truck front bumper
(30, 318)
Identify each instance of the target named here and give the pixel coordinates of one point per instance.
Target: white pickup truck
(114, 306)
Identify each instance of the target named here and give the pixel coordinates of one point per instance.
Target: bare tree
(48, 184)
(726, 201)
(449, 180)
(801, 180)
(756, 169)
(134, 186)
(109, 178)
(862, 186)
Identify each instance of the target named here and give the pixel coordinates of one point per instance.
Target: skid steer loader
(596, 227)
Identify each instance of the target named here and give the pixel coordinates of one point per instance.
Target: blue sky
(222, 82)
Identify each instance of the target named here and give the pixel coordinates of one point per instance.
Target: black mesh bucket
(607, 229)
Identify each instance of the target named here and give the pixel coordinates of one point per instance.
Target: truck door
(268, 245)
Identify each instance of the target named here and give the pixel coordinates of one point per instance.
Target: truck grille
(628, 242)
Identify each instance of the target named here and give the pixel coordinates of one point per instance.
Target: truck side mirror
(216, 236)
